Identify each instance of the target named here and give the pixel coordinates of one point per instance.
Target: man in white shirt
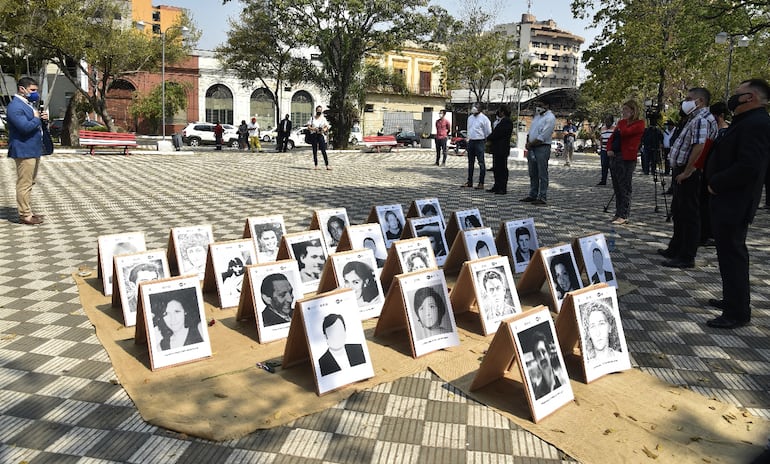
(538, 153)
(479, 129)
(254, 135)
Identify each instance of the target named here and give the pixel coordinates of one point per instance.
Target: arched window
(219, 104)
(301, 108)
(262, 107)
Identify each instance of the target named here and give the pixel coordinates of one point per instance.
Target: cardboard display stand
(485, 286)
(331, 230)
(171, 321)
(464, 248)
(507, 241)
(109, 246)
(405, 256)
(221, 277)
(292, 244)
(590, 331)
(366, 286)
(273, 229)
(538, 271)
(412, 296)
(457, 222)
(282, 286)
(381, 215)
(421, 207)
(324, 328)
(128, 272)
(513, 345)
(188, 248)
(594, 258)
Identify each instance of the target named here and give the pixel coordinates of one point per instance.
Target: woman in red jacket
(622, 150)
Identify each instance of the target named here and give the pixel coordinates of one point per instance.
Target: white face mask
(539, 110)
(688, 106)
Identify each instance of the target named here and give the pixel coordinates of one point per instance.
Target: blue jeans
(537, 164)
(476, 153)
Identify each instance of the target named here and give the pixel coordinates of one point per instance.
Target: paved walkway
(59, 401)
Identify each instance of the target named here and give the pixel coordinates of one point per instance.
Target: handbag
(310, 138)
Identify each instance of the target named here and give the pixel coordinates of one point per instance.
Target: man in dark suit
(501, 147)
(339, 355)
(600, 275)
(735, 172)
(284, 129)
(278, 295)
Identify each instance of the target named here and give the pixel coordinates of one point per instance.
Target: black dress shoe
(725, 323)
(665, 253)
(492, 190)
(678, 263)
(719, 304)
(528, 199)
(601, 183)
(709, 242)
(500, 192)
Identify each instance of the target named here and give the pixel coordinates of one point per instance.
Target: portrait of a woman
(600, 337)
(430, 312)
(176, 318)
(360, 277)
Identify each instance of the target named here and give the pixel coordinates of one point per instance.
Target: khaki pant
(26, 172)
(254, 143)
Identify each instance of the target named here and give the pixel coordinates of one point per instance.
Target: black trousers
(500, 171)
(685, 212)
(733, 257)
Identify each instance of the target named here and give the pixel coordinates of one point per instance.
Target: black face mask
(318, 113)
(733, 103)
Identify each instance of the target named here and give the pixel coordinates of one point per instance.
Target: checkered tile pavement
(59, 398)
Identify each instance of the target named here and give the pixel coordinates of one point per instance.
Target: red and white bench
(107, 139)
(378, 141)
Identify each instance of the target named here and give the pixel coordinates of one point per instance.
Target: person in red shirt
(442, 132)
(623, 150)
(218, 132)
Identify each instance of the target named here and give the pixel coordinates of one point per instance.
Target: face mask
(318, 113)
(33, 96)
(539, 110)
(733, 103)
(475, 110)
(688, 106)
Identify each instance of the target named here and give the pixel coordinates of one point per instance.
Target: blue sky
(211, 16)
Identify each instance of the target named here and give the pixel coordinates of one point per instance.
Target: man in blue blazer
(735, 170)
(25, 144)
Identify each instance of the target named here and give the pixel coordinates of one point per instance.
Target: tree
(149, 106)
(344, 32)
(90, 39)
(261, 48)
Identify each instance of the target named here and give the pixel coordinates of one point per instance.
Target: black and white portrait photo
(332, 223)
(429, 311)
(522, 241)
(309, 251)
(134, 269)
(545, 374)
(357, 270)
(230, 261)
(603, 343)
(110, 246)
(469, 219)
(276, 287)
(266, 231)
(596, 260)
(498, 294)
(415, 254)
(192, 248)
(562, 272)
(369, 236)
(175, 321)
(431, 228)
(392, 221)
(430, 207)
(337, 341)
(480, 243)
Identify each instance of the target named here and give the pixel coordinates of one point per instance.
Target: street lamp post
(724, 37)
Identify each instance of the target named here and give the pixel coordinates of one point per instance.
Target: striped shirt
(700, 127)
(604, 136)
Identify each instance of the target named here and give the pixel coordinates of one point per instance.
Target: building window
(301, 108)
(425, 80)
(156, 28)
(156, 15)
(262, 107)
(219, 104)
(369, 108)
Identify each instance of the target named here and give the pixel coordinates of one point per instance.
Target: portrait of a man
(278, 296)
(523, 251)
(311, 258)
(544, 372)
(497, 301)
(339, 355)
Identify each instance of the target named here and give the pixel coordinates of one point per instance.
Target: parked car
(407, 138)
(459, 142)
(297, 139)
(268, 135)
(202, 133)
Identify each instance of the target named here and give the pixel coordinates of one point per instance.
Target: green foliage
(343, 32)
(150, 107)
(90, 37)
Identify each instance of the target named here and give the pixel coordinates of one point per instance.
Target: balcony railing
(414, 89)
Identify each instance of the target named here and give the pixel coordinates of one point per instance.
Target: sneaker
(528, 199)
(539, 202)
